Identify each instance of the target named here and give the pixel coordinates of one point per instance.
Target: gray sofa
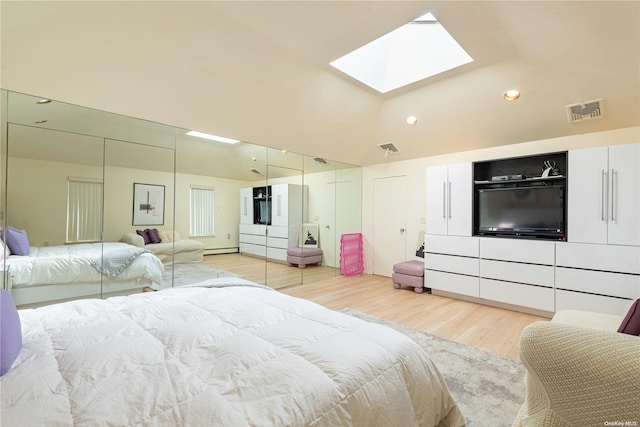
(172, 249)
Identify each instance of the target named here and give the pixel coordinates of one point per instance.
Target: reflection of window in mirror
(202, 211)
(84, 210)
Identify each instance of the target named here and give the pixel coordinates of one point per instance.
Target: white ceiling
(259, 71)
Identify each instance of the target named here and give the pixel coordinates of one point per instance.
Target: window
(418, 50)
(84, 210)
(202, 211)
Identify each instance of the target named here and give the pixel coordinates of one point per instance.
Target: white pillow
(4, 250)
(164, 236)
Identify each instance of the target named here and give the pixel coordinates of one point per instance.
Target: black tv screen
(522, 211)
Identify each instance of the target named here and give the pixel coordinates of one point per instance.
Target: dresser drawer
(449, 282)
(567, 300)
(528, 251)
(517, 294)
(598, 282)
(452, 264)
(542, 275)
(452, 245)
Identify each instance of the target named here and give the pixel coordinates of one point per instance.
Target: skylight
(413, 52)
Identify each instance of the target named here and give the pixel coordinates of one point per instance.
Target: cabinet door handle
(244, 205)
(613, 194)
(603, 195)
(444, 199)
(449, 199)
(279, 204)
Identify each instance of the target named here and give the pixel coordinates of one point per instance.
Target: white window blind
(202, 211)
(84, 210)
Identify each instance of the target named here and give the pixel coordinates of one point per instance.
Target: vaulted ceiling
(259, 71)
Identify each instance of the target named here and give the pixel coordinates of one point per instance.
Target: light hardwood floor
(491, 329)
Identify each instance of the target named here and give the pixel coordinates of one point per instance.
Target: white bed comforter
(73, 264)
(230, 356)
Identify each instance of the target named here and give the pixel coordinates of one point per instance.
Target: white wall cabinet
(602, 278)
(246, 206)
(604, 195)
(597, 269)
(288, 203)
(452, 265)
(449, 200)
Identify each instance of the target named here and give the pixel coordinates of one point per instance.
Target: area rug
(192, 272)
(488, 389)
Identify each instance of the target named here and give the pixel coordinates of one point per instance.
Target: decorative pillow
(154, 237)
(164, 236)
(144, 235)
(17, 241)
(10, 332)
(175, 236)
(631, 323)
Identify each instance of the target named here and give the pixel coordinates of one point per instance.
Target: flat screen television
(532, 211)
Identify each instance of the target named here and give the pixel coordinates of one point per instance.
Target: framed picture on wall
(148, 204)
(308, 236)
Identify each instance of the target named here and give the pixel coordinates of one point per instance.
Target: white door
(459, 199)
(587, 195)
(328, 228)
(624, 194)
(389, 229)
(436, 200)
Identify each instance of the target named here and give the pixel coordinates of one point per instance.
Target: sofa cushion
(144, 235)
(154, 237)
(304, 252)
(410, 268)
(631, 322)
(10, 332)
(17, 241)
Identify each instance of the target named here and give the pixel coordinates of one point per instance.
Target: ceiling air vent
(256, 171)
(388, 147)
(584, 111)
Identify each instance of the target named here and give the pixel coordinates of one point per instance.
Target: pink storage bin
(351, 254)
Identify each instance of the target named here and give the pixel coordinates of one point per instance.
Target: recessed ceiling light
(253, 158)
(212, 137)
(43, 101)
(412, 120)
(283, 151)
(40, 122)
(511, 95)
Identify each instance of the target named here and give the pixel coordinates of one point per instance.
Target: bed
(224, 352)
(81, 270)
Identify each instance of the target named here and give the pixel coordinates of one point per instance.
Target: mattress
(225, 352)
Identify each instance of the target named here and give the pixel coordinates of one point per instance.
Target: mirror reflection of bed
(85, 150)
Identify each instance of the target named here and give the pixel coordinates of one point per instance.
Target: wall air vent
(584, 111)
(388, 147)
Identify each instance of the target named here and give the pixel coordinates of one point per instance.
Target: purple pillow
(144, 235)
(154, 236)
(10, 332)
(17, 241)
(631, 323)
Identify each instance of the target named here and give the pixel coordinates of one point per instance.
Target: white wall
(37, 197)
(415, 171)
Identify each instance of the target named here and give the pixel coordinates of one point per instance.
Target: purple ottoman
(304, 256)
(410, 273)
